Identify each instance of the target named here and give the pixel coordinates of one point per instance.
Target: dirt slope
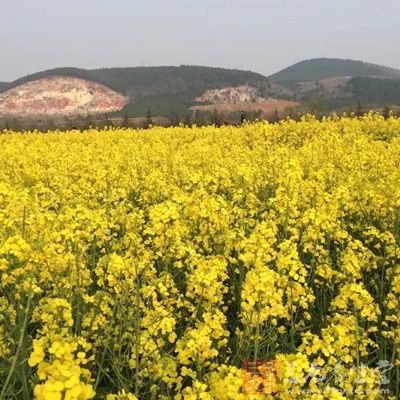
(60, 96)
(240, 98)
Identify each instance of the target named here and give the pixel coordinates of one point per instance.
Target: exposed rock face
(245, 97)
(244, 93)
(60, 97)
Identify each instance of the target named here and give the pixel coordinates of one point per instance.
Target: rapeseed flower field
(252, 262)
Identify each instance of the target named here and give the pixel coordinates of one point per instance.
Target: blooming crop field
(252, 262)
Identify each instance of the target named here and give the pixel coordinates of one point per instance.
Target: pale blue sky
(262, 36)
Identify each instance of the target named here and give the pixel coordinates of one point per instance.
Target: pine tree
(386, 112)
(242, 118)
(148, 118)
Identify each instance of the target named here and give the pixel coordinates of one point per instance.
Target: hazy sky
(258, 35)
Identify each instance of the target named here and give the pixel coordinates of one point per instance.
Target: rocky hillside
(163, 90)
(60, 97)
(244, 93)
(312, 85)
(334, 85)
(241, 98)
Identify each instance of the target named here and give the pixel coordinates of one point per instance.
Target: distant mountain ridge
(325, 84)
(335, 84)
(323, 68)
(163, 90)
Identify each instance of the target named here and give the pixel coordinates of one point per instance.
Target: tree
(359, 112)
(386, 112)
(275, 116)
(216, 118)
(198, 118)
(187, 121)
(125, 121)
(256, 115)
(242, 117)
(262, 91)
(108, 122)
(174, 119)
(294, 114)
(148, 118)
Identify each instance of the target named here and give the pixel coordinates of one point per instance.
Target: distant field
(252, 262)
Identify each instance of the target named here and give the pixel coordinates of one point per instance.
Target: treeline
(377, 91)
(198, 118)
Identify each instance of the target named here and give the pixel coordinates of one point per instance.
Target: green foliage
(322, 68)
(163, 88)
(375, 91)
(171, 91)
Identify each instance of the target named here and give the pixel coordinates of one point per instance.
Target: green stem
(257, 329)
(16, 355)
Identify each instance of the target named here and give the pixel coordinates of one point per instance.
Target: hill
(323, 68)
(325, 84)
(319, 85)
(163, 90)
(56, 97)
(377, 91)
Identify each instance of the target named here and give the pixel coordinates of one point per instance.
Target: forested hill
(326, 84)
(377, 91)
(323, 68)
(165, 90)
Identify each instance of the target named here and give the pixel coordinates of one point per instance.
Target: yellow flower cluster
(56, 355)
(162, 263)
